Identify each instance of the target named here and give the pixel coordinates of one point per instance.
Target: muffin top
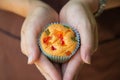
(58, 40)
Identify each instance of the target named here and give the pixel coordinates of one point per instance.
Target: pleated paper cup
(57, 58)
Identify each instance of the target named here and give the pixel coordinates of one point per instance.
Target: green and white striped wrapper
(60, 59)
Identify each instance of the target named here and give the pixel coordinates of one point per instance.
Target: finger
(84, 22)
(31, 28)
(43, 72)
(29, 46)
(96, 38)
(89, 37)
(87, 33)
(89, 41)
(58, 67)
(50, 72)
(73, 66)
(32, 48)
(64, 66)
(23, 45)
(29, 39)
(87, 44)
(76, 77)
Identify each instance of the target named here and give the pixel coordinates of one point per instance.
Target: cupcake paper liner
(60, 59)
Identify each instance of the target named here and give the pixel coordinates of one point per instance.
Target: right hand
(77, 14)
(31, 28)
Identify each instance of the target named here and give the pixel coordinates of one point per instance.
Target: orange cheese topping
(56, 40)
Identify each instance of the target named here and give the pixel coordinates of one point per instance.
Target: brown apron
(105, 62)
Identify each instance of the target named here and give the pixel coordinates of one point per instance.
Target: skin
(29, 35)
(28, 39)
(37, 14)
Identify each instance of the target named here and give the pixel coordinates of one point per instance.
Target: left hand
(32, 26)
(78, 15)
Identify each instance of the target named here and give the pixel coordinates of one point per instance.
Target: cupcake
(59, 42)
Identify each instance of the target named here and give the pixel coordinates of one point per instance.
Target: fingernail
(30, 59)
(88, 59)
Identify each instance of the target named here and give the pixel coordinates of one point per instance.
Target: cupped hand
(77, 14)
(31, 28)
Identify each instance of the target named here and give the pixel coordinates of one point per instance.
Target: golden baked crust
(58, 40)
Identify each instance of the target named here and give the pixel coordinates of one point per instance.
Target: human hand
(31, 28)
(77, 14)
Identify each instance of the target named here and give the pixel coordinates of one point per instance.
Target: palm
(74, 62)
(78, 16)
(31, 28)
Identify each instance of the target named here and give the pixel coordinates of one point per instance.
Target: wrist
(21, 7)
(18, 6)
(35, 4)
(92, 4)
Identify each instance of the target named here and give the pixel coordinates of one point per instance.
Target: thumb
(86, 54)
(47, 68)
(89, 43)
(29, 46)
